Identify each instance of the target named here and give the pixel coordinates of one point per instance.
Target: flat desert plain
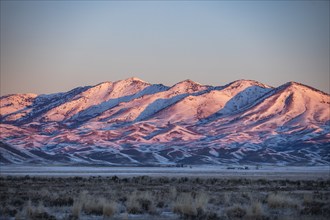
(204, 192)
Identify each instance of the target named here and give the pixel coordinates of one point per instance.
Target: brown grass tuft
(141, 202)
(256, 211)
(280, 201)
(109, 209)
(188, 206)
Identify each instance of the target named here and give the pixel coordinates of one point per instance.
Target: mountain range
(133, 122)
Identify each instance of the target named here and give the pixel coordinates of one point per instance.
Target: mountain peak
(134, 79)
(190, 82)
(187, 82)
(292, 83)
(299, 87)
(242, 82)
(188, 86)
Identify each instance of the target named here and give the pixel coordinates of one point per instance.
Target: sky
(55, 46)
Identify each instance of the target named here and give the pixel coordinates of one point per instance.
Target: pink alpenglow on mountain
(132, 122)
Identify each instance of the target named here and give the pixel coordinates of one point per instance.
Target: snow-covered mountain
(132, 122)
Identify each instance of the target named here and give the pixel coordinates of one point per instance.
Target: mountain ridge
(133, 122)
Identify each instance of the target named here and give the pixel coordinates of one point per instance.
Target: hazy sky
(55, 46)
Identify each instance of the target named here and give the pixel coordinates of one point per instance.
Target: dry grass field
(145, 197)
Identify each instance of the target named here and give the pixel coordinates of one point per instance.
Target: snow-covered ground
(272, 172)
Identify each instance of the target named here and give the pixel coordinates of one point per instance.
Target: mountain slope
(215, 101)
(14, 107)
(134, 122)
